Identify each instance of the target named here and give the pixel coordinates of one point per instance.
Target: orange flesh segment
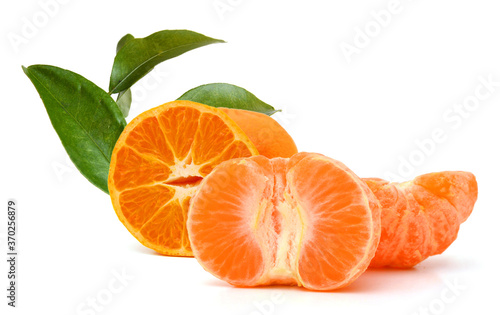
(163, 227)
(137, 169)
(223, 216)
(179, 125)
(204, 150)
(260, 221)
(158, 163)
(422, 217)
(140, 204)
(338, 217)
(148, 136)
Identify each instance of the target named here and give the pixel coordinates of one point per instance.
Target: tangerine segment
(422, 217)
(179, 125)
(138, 205)
(149, 137)
(306, 220)
(342, 223)
(458, 188)
(159, 161)
(163, 227)
(389, 199)
(223, 219)
(136, 169)
(204, 150)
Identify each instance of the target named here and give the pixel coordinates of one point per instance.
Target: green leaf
(140, 55)
(124, 98)
(227, 95)
(85, 117)
(125, 39)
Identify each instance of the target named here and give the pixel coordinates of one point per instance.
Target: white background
(369, 113)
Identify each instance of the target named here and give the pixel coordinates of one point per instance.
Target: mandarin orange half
(307, 220)
(158, 163)
(421, 218)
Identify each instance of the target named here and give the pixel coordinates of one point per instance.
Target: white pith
(184, 169)
(280, 250)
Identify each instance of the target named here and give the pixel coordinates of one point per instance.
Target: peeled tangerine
(306, 220)
(421, 218)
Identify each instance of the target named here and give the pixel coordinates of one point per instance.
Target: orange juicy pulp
(421, 218)
(158, 163)
(306, 221)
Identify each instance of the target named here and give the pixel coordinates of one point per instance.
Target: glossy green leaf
(125, 39)
(124, 98)
(140, 55)
(227, 95)
(85, 117)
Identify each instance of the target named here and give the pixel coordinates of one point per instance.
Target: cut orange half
(158, 163)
